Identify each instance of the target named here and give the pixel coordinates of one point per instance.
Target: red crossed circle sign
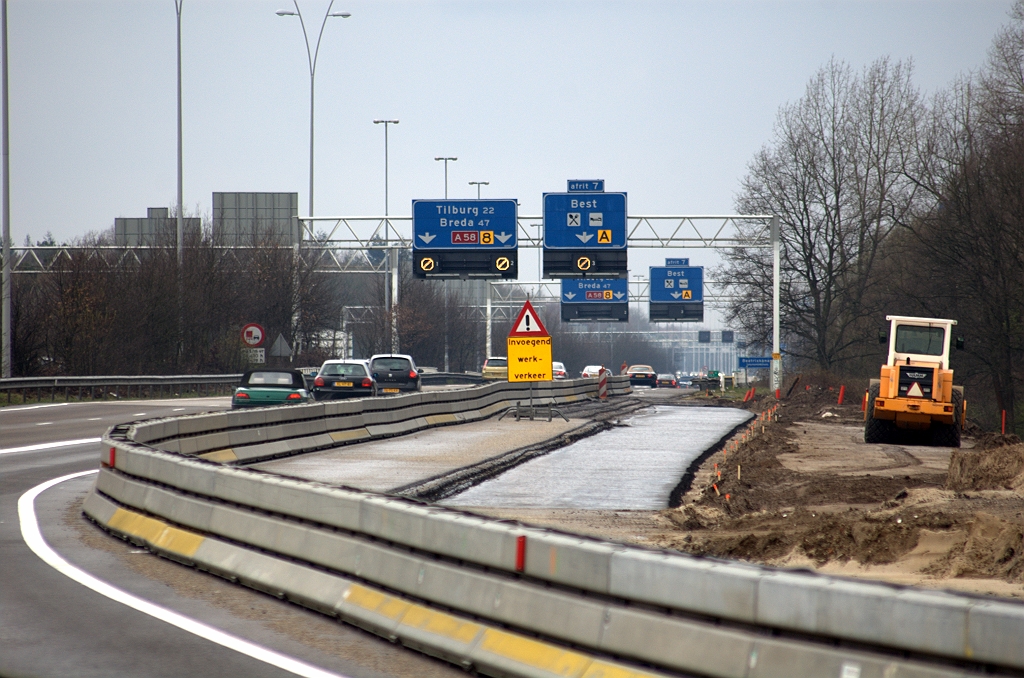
(253, 335)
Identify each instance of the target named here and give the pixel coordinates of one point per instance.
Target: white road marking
(139, 414)
(31, 407)
(34, 538)
(177, 409)
(45, 423)
(49, 446)
(94, 418)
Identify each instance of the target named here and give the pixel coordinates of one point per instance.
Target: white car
(558, 371)
(592, 371)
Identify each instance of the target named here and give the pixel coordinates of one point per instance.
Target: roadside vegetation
(893, 201)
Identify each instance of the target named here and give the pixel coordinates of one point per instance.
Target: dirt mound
(987, 441)
(993, 548)
(994, 468)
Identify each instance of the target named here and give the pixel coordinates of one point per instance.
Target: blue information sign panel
(755, 363)
(595, 290)
(586, 185)
(464, 224)
(585, 221)
(677, 284)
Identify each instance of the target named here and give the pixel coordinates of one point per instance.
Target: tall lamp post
(311, 54)
(478, 184)
(446, 282)
(446, 173)
(5, 370)
(391, 265)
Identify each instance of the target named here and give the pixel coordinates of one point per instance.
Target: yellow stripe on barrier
(550, 658)
(375, 601)
(156, 532)
(441, 624)
(435, 419)
(600, 669)
(352, 434)
(220, 456)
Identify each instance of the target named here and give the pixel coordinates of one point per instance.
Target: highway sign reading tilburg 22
(464, 224)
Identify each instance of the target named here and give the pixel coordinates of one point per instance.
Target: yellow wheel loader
(916, 391)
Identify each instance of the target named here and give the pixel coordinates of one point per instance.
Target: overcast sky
(667, 101)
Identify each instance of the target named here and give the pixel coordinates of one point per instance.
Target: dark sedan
(642, 375)
(344, 379)
(667, 381)
(394, 373)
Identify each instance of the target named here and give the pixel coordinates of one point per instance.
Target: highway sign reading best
(677, 284)
(585, 221)
(464, 224)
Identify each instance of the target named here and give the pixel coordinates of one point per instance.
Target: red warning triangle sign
(528, 324)
(915, 391)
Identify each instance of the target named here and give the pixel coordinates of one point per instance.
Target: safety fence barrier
(93, 388)
(501, 597)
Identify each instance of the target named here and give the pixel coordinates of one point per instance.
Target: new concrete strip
(384, 465)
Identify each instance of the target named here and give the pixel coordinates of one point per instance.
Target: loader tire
(876, 430)
(948, 435)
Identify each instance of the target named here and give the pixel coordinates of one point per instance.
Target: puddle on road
(632, 468)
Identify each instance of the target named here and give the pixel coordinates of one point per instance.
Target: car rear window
(394, 364)
(497, 362)
(275, 379)
(345, 370)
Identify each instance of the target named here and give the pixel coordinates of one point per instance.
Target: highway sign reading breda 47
(595, 290)
(464, 224)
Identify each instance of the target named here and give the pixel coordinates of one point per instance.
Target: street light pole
(181, 223)
(446, 174)
(390, 290)
(478, 184)
(5, 315)
(311, 55)
(446, 366)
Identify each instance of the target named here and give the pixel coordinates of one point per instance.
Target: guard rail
(385, 562)
(153, 386)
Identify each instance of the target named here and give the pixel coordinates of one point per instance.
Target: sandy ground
(805, 491)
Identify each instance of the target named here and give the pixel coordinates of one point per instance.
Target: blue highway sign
(681, 284)
(585, 221)
(586, 185)
(595, 290)
(464, 224)
(756, 363)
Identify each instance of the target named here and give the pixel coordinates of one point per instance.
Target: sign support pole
(487, 347)
(776, 350)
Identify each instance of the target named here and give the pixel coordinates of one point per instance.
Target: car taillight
(242, 395)
(367, 383)
(294, 396)
(412, 374)
(319, 381)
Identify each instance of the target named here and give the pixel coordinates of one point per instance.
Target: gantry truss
(356, 244)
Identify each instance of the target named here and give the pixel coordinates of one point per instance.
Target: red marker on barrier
(520, 553)
(112, 457)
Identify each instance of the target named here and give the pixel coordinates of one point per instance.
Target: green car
(260, 388)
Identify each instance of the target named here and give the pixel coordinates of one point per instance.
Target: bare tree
(834, 174)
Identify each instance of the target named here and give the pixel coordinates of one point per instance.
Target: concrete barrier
(201, 533)
(959, 627)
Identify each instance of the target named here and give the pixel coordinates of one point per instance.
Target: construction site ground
(803, 490)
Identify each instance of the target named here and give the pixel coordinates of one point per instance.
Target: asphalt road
(51, 625)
